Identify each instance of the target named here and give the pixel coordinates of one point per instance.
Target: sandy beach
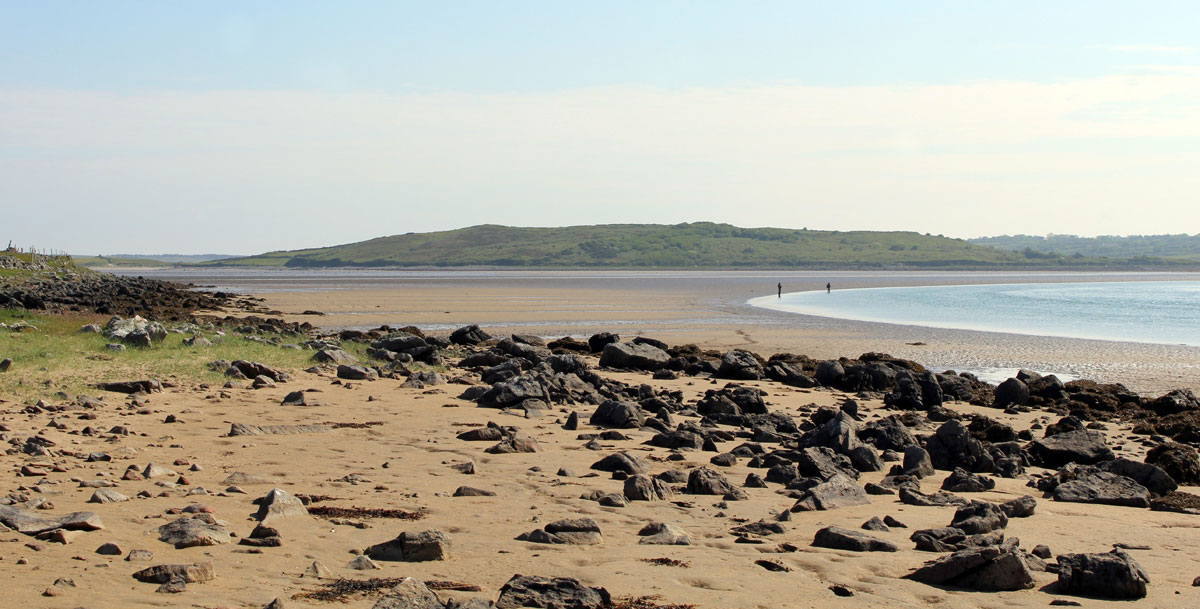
(406, 463)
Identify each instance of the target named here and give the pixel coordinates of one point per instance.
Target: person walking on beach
(828, 288)
(780, 287)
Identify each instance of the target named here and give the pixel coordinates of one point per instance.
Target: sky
(244, 127)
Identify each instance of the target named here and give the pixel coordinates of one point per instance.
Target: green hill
(694, 245)
(116, 261)
(1168, 247)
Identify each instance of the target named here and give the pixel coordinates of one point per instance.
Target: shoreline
(707, 309)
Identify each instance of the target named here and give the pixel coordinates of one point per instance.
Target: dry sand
(417, 443)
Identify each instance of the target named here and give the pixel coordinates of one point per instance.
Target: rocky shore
(591, 473)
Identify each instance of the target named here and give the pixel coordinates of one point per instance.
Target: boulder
(1112, 575)
(917, 462)
(704, 481)
(412, 547)
(1011, 392)
(279, 503)
(469, 335)
(334, 356)
(953, 447)
(740, 365)
(622, 462)
(356, 373)
(979, 517)
(551, 593)
(986, 569)
(634, 356)
(1180, 461)
(641, 487)
(189, 531)
(663, 534)
(840, 434)
(571, 531)
(165, 574)
(837, 492)
(617, 414)
(1103, 488)
(1082, 446)
(27, 523)
(855, 541)
(962, 482)
(409, 594)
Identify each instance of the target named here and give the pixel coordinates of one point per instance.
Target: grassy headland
(692, 245)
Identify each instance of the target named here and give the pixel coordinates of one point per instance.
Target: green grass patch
(58, 357)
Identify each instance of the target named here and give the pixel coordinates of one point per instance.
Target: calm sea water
(1166, 312)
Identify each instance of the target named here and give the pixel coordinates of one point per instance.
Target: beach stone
(618, 414)
(334, 356)
(1082, 446)
(875, 524)
(987, 569)
(413, 547)
(1150, 476)
(952, 446)
(1103, 488)
(279, 503)
(107, 495)
(146, 386)
(917, 463)
(663, 534)
(839, 433)
(469, 335)
(950, 539)
(362, 563)
(190, 573)
(704, 481)
(979, 517)
(1021, 507)
(356, 373)
(641, 487)
(317, 570)
(960, 481)
(1011, 392)
(26, 523)
(189, 531)
(888, 433)
(6, 364)
(469, 491)
(837, 492)
(740, 365)
(551, 593)
(623, 462)
(678, 440)
(110, 549)
(409, 594)
(1180, 461)
(252, 369)
(139, 556)
(518, 442)
(815, 462)
(1112, 575)
(632, 355)
(513, 392)
(846, 539)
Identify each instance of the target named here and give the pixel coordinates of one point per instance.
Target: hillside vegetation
(700, 244)
(1167, 247)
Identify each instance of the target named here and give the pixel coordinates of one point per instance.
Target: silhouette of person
(828, 288)
(780, 286)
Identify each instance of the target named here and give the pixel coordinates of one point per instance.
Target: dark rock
(1180, 461)
(875, 524)
(740, 365)
(641, 487)
(1154, 479)
(704, 481)
(1112, 575)
(469, 335)
(846, 539)
(962, 482)
(547, 593)
(979, 517)
(163, 574)
(409, 594)
(953, 447)
(1082, 446)
(1011, 392)
(837, 492)
(412, 547)
(622, 415)
(914, 497)
(987, 569)
(197, 530)
(1104, 488)
(622, 462)
(917, 462)
(635, 356)
(951, 539)
(1021, 507)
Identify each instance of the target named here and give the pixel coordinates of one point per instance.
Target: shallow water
(1163, 312)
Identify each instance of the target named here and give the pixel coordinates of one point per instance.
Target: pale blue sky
(248, 126)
